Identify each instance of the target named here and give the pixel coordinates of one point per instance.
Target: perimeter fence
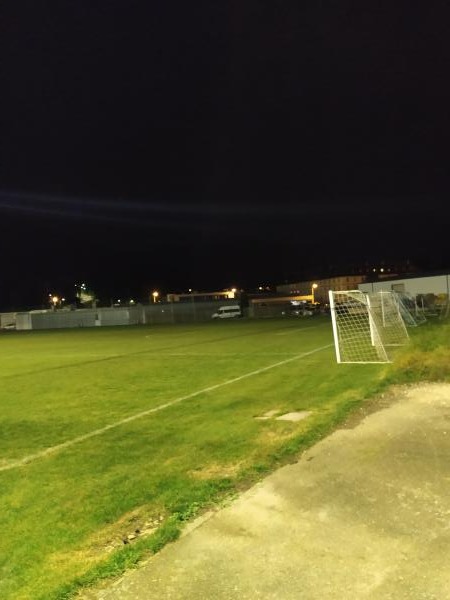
(152, 314)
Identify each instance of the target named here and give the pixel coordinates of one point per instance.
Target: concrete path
(364, 514)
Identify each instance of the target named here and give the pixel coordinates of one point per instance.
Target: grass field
(107, 434)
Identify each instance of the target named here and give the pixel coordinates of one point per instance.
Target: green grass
(427, 358)
(63, 516)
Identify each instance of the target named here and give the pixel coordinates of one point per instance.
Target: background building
(302, 288)
(422, 284)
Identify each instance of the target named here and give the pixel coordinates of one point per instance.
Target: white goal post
(365, 326)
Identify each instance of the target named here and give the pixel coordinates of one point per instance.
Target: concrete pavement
(364, 514)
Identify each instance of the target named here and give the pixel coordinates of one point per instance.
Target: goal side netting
(387, 317)
(365, 326)
(412, 314)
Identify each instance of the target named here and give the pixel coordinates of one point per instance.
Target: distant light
(118, 301)
(234, 290)
(315, 286)
(131, 301)
(190, 290)
(382, 270)
(55, 299)
(374, 270)
(260, 287)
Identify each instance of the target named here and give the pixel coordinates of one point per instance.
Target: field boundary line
(81, 438)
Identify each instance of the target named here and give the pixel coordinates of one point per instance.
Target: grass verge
(427, 358)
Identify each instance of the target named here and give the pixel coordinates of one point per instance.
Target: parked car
(303, 309)
(228, 312)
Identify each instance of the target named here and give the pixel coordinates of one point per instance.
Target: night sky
(212, 144)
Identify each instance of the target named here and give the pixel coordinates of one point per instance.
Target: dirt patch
(133, 525)
(294, 416)
(216, 471)
(268, 415)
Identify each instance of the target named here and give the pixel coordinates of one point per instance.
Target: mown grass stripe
(159, 351)
(53, 449)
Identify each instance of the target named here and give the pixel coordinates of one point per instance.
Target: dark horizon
(219, 145)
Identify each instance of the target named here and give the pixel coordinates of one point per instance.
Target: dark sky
(208, 144)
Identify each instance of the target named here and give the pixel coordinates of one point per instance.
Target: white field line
(225, 354)
(13, 464)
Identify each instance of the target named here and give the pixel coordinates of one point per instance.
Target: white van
(228, 312)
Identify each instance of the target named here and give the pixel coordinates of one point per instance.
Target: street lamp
(155, 296)
(54, 300)
(313, 287)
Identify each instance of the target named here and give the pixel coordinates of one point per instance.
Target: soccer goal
(365, 326)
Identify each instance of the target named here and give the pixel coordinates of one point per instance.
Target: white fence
(153, 314)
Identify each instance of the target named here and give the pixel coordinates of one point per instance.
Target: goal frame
(365, 326)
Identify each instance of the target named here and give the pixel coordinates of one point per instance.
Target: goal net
(386, 314)
(365, 326)
(412, 314)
